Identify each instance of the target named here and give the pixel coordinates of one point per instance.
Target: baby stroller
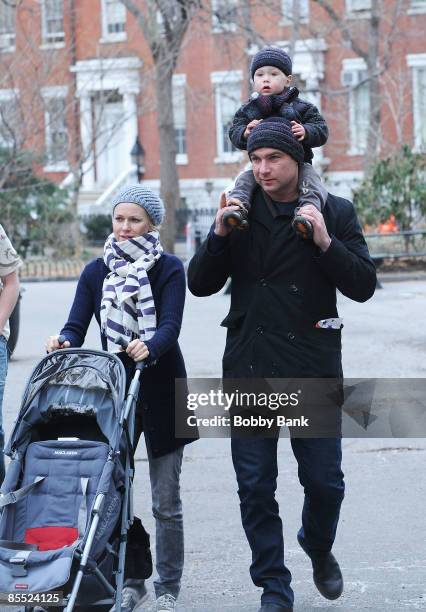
(66, 500)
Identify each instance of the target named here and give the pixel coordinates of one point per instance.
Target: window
(179, 116)
(227, 88)
(224, 15)
(113, 20)
(354, 72)
(355, 7)
(416, 7)
(7, 27)
(9, 118)
(52, 15)
(159, 20)
(56, 133)
(295, 11)
(421, 95)
(417, 62)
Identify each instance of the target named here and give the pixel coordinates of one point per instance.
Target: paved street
(381, 536)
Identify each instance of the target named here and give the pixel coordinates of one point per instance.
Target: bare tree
(164, 24)
(372, 40)
(27, 115)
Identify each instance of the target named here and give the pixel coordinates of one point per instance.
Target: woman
(137, 291)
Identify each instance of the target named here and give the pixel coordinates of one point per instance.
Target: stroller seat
(66, 500)
(47, 508)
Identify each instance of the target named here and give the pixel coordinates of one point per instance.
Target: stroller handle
(124, 344)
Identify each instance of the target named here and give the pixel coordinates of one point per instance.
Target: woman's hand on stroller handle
(56, 342)
(136, 349)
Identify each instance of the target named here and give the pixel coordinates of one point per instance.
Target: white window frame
(218, 26)
(179, 82)
(49, 93)
(223, 79)
(417, 7)
(355, 67)
(8, 95)
(8, 39)
(355, 11)
(51, 41)
(108, 37)
(417, 61)
(304, 12)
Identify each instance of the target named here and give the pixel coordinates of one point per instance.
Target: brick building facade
(79, 70)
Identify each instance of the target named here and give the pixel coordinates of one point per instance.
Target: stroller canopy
(72, 382)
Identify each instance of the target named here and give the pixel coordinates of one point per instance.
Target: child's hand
(298, 130)
(250, 126)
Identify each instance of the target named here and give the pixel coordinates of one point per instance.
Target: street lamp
(137, 155)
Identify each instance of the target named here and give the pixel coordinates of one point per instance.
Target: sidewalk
(379, 543)
(38, 270)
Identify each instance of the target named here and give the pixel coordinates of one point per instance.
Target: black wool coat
(281, 287)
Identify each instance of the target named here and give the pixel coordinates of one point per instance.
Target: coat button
(294, 288)
(291, 336)
(260, 329)
(263, 282)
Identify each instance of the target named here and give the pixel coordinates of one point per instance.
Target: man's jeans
(3, 372)
(255, 463)
(164, 473)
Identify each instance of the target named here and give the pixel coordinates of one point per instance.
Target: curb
(388, 277)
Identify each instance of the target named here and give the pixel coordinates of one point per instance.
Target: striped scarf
(127, 306)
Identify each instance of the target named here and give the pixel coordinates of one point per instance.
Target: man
(282, 287)
(9, 291)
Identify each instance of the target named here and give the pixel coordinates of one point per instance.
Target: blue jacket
(156, 406)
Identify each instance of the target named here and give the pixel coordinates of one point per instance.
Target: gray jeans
(164, 473)
(311, 188)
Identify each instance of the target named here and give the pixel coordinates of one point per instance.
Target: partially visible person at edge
(147, 311)
(282, 287)
(9, 292)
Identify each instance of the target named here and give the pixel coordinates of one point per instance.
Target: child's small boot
(302, 226)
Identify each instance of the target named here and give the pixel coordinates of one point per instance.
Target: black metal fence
(194, 224)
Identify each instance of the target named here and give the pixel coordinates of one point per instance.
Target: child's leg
(311, 189)
(243, 188)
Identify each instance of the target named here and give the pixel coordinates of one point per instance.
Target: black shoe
(270, 607)
(302, 227)
(236, 219)
(327, 575)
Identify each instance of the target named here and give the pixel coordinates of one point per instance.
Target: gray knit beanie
(275, 133)
(147, 199)
(271, 56)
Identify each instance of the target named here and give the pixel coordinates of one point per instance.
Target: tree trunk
(75, 225)
(169, 191)
(373, 140)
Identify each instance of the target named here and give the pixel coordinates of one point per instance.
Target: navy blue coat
(157, 394)
(294, 109)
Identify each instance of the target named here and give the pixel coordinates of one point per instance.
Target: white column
(86, 141)
(130, 123)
